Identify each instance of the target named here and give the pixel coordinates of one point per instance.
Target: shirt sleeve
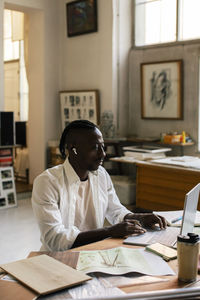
(45, 203)
(115, 211)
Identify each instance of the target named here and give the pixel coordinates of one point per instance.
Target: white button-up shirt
(54, 202)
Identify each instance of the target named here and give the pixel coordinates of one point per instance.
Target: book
(145, 152)
(144, 156)
(167, 253)
(6, 161)
(146, 149)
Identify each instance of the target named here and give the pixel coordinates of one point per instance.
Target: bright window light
(156, 21)
(189, 20)
(11, 49)
(152, 18)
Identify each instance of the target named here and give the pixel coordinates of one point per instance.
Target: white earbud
(74, 150)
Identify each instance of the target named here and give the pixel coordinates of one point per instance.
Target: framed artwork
(81, 17)
(7, 188)
(161, 90)
(77, 105)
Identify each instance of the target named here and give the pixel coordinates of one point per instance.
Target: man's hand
(126, 228)
(147, 220)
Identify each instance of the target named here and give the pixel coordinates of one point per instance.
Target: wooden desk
(160, 186)
(163, 187)
(70, 257)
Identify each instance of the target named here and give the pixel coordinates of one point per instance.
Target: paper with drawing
(122, 260)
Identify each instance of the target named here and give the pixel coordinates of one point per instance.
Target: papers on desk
(122, 260)
(182, 161)
(95, 288)
(145, 152)
(174, 218)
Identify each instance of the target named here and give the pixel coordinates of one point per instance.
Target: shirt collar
(72, 175)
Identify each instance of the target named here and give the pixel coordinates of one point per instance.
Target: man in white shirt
(72, 200)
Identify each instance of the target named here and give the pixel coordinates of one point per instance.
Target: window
(14, 50)
(11, 48)
(166, 21)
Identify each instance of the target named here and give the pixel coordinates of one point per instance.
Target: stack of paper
(182, 161)
(145, 152)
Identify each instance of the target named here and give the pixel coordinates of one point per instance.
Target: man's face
(90, 149)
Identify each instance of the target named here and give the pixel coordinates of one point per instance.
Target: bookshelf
(6, 156)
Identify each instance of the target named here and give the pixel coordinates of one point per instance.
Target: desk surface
(70, 257)
(130, 160)
(112, 243)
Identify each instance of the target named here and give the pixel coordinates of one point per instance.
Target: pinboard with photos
(7, 188)
(79, 105)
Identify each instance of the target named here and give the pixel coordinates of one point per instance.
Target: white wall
(44, 114)
(100, 60)
(122, 41)
(148, 128)
(1, 60)
(86, 60)
(36, 73)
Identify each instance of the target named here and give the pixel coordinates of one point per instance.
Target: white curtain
(17, 21)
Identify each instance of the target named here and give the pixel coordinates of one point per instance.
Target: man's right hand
(125, 228)
(120, 230)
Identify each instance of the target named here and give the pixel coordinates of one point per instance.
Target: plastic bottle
(183, 137)
(188, 257)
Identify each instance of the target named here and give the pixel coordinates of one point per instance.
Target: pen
(176, 220)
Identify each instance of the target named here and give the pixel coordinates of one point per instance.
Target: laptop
(169, 235)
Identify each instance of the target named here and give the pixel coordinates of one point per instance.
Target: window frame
(167, 44)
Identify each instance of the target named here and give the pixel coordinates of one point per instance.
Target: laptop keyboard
(167, 237)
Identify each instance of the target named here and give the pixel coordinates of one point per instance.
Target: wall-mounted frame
(81, 17)
(7, 188)
(161, 90)
(77, 105)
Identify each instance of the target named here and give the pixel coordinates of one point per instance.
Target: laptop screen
(190, 208)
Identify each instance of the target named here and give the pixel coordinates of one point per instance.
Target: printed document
(122, 260)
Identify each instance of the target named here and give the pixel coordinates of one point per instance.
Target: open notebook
(169, 235)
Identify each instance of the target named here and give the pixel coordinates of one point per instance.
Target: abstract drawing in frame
(161, 90)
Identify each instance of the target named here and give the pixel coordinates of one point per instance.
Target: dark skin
(89, 146)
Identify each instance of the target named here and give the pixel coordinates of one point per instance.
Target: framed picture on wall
(7, 188)
(77, 105)
(161, 90)
(81, 17)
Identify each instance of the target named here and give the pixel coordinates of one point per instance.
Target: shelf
(177, 144)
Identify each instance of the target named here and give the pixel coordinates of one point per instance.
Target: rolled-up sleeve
(55, 235)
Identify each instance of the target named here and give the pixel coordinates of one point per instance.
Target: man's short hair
(67, 134)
